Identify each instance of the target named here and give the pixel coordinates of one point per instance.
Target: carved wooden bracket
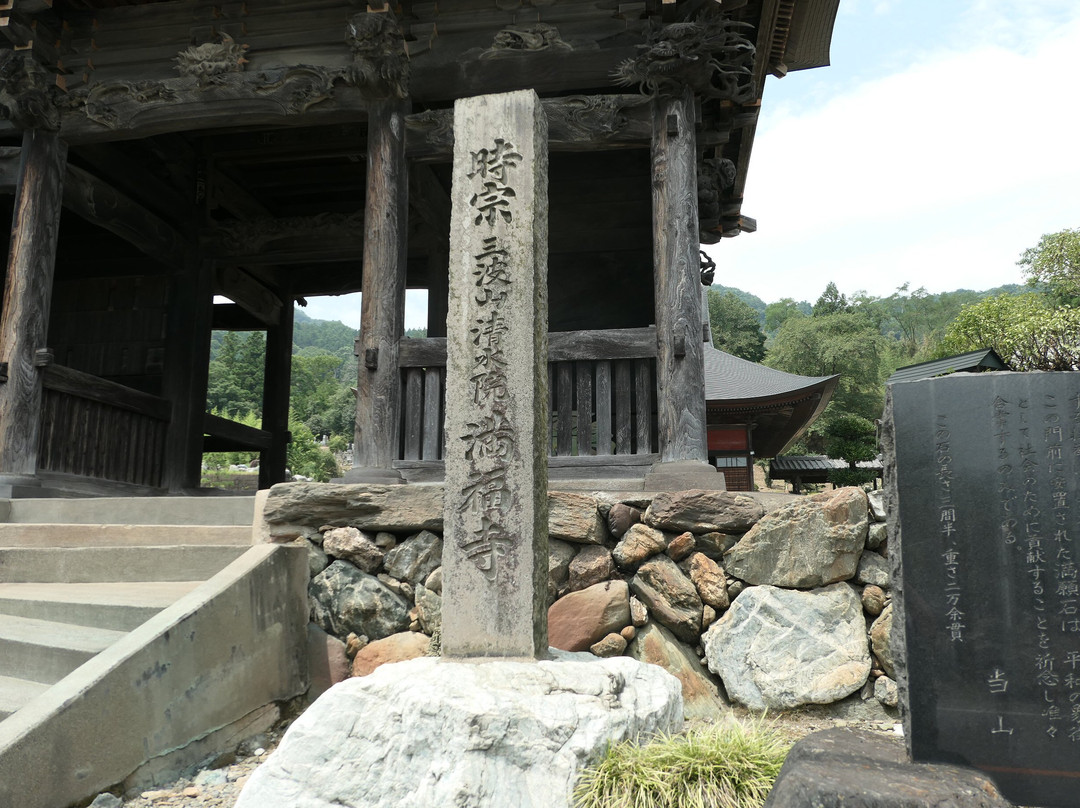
(209, 60)
(27, 92)
(380, 64)
(710, 55)
(43, 357)
(715, 179)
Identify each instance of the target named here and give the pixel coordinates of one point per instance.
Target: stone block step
(100, 564)
(68, 534)
(44, 651)
(237, 510)
(14, 693)
(120, 606)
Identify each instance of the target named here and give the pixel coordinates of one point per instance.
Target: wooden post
(187, 365)
(382, 311)
(680, 371)
(275, 403)
(28, 284)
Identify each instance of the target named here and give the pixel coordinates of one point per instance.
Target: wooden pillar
(275, 403)
(382, 312)
(438, 290)
(680, 372)
(187, 365)
(28, 284)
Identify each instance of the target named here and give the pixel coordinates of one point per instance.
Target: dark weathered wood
(434, 391)
(186, 366)
(624, 398)
(101, 204)
(83, 385)
(603, 407)
(277, 376)
(420, 353)
(10, 157)
(382, 315)
(224, 435)
(252, 296)
(414, 409)
(564, 405)
(615, 343)
(643, 387)
(583, 372)
(28, 283)
(563, 346)
(679, 364)
(231, 317)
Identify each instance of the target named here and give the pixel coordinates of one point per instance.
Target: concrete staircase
(93, 593)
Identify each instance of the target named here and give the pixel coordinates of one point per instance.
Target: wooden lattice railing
(602, 387)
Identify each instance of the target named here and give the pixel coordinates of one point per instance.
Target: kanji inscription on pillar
(495, 515)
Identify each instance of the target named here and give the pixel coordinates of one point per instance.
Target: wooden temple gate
(274, 150)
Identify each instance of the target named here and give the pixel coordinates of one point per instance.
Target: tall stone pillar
(680, 370)
(495, 554)
(382, 312)
(24, 319)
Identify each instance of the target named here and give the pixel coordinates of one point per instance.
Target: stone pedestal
(684, 475)
(430, 733)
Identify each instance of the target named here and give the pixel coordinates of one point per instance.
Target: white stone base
(430, 733)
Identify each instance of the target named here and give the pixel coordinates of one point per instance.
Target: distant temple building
(158, 154)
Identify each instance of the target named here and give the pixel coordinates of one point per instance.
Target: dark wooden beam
(128, 169)
(184, 380)
(28, 285)
(222, 435)
(679, 363)
(230, 317)
(382, 313)
(294, 240)
(102, 205)
(249, 294)
(277, 373)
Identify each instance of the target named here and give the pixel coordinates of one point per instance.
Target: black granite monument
(985, 492)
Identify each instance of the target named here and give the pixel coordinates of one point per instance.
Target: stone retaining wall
(768, 608)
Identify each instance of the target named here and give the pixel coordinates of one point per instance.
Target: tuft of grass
(730, 765)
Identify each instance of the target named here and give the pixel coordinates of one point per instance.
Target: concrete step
(125, 564)
(46, 652)
(226, 510)
(14, 693)
(120, 606)
(81, 534)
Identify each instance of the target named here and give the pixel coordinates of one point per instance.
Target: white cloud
(346, 308)
(945, 171)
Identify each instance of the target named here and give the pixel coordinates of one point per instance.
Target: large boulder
(881, 640)
(591, 565)
(395, 648)
(777, 649)
(371, 507)
(703, 512)
(429, 732)
(658, 646)
(670, 596)
(575, 517)
(560, 553)
(809, 543)
(344, 599)
(580, 619)
(354, 546)
(637, 544)
(415, 558)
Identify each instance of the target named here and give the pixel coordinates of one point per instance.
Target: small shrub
(732, 765)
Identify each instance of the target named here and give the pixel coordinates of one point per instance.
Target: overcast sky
(941, 143)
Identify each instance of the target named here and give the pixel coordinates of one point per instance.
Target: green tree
(853, 440)
(235, 381)
(1055, 263)
(736, 327)
(830, 302)
(776, 314)
(844, 343)
(1027, 331)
